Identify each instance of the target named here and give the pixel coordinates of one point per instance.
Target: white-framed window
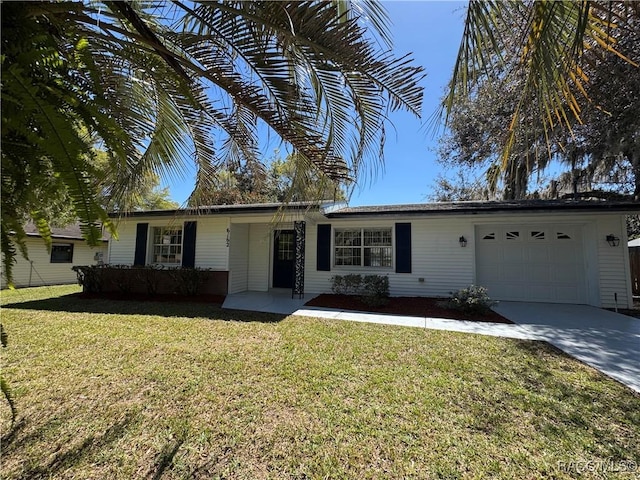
(286, 246)
(167, 245)
(62, 253)
(363, 247)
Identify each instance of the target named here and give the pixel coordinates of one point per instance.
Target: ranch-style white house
(560, 251)
(53, 267)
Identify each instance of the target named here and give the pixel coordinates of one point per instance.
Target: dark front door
(284, 254)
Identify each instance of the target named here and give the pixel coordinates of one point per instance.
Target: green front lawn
(125, 390)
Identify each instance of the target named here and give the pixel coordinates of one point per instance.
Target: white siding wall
(122, 249)
(239, 258)
(436, 257)
(259, 255)
(211, 235)
(615, 277)
(211, 242)
(445, 266)
(46, 273)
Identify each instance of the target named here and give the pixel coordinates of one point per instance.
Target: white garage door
(537, 263)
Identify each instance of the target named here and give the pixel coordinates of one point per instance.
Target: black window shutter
(403, 248)
(189, 245)
(323, 254)
(140, 257)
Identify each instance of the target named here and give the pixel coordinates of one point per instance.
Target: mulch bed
(143, 297)
(630, 312)
(411, 306)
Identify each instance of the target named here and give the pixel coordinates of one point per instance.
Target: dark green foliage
(157, 85)
(90, 277)
(123, 276)
(540, 84)
(633, 226)
(149, 279)
(373, 290)
(188, 281)
(45, 104)
(346, 284)
(148, 276)
(292, 179)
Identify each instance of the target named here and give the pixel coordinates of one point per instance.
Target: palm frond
(547, 43)
(157, 85)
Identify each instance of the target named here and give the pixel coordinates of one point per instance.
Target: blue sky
(431, 30)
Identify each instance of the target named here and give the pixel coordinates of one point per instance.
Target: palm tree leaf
(556, 39)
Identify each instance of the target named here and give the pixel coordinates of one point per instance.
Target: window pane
(62, 253)
(378, 237)
(167, 245)
(345, 238)
(377, 257)
(286, 246)
(369, 247)
(347, 256)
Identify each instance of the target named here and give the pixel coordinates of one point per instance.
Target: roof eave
(65, 237)
(599, 208)
(222, 210)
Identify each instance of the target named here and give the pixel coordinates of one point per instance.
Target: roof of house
(227, 209)
(339, 210)
(475, 207)
(69, 232)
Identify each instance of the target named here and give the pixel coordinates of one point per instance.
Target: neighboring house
(540, 251)
(52, 268)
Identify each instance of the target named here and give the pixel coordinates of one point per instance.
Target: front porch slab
(273, 301)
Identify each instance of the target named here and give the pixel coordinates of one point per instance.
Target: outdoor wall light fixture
(463, 241)
(228, 237)
(612, 240)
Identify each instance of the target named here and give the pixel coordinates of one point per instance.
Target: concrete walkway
(481, 328)
(607, 341)
(273, 301)
(280, 301)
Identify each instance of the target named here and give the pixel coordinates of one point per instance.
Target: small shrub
(123, 277)
(346, 284)
(373, 290)
(90, 277)
(189, 280)
(149, 277)
(473, 299)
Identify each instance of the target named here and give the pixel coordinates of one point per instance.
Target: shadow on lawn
(586, 408)
(541, 376)
(66, 455)
(600, 394)
(166, 456)
(76, 304)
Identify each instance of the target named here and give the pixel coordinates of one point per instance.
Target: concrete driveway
(607, 341)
